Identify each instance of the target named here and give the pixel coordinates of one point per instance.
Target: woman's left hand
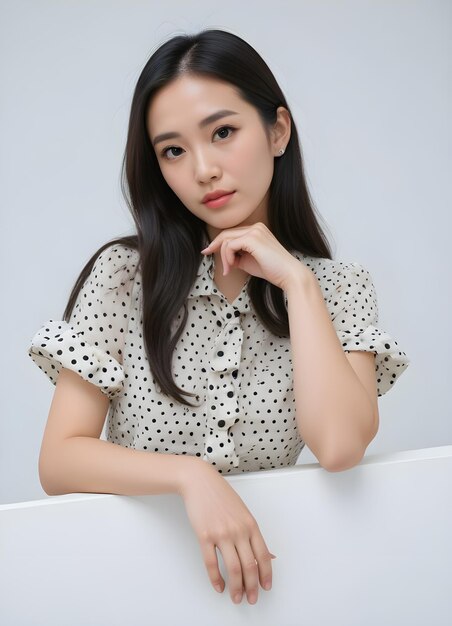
(255, 250)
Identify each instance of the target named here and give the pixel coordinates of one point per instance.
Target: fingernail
(272, 555)
(238, 598)
(218, 588)
(267, 585)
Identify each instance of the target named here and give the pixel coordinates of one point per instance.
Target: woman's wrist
(191, 467)
(301, 276)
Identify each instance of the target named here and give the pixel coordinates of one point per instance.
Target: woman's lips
(213, 204)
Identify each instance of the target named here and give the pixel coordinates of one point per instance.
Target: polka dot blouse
(244, 418)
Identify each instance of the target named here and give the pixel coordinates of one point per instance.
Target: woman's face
(231, 152)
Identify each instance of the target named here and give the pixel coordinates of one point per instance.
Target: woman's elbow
(337, 458)
(344, 461)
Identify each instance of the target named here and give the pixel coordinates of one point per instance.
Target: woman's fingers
(229, 256)
(210, 557)
(222, 521)
(264, 559)
(250, 571)
(234, 567)
(248, 563)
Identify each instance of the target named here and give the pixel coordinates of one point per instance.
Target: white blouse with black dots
(244, 418)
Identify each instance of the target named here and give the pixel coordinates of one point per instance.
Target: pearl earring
(281, 151)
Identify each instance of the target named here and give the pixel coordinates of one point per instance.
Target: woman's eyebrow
(208, 120)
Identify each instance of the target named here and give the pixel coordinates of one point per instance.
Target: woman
(227, 295)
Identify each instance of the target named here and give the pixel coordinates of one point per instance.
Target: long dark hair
(169, 237)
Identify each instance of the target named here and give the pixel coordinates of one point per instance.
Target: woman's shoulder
(117, 255)
(114, 266)
(338, 278)
(324, 268)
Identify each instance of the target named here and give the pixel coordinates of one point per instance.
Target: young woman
(222, 337)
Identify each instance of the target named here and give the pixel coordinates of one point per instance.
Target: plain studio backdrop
(370, 88)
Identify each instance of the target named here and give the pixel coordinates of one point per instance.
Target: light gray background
(370, 87)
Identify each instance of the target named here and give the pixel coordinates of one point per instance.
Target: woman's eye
(166, 150)
(224, 128)
(168, 158)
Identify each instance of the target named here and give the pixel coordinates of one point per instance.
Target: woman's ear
(281, 129)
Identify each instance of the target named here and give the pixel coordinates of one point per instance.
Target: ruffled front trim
(223, 397)
(57, 344)
(390, 362)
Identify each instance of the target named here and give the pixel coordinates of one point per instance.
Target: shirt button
(221, 423)
(220, 353)
(230, 394)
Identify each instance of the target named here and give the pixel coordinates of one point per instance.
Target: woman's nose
(206, 167)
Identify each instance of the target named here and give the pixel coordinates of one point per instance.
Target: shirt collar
(204, 283)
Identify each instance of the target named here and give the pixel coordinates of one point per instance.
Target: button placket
(223, 408)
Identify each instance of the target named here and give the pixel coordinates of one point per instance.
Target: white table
(370, 546)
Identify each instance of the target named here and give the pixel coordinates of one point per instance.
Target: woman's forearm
(334, 412)
(90, 465)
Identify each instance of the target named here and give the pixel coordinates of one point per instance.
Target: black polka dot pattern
(351, 299)
(56, 345)
(244, 416)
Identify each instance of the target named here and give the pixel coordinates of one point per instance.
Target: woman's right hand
(220, 518)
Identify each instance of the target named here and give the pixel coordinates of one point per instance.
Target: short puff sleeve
(354, 309)
(91, 344)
